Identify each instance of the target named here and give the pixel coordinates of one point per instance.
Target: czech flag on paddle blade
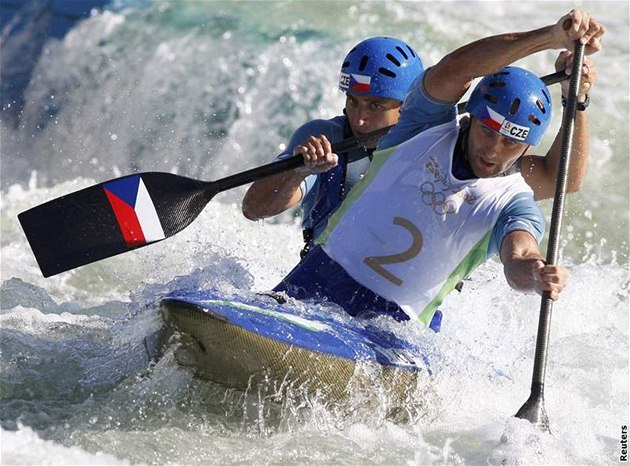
(134, 211)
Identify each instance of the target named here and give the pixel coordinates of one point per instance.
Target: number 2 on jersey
(376, 263)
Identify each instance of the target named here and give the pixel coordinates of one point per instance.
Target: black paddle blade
(111, 218)
(534, 409)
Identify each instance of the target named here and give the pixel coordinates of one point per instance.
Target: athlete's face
(490, 153)
(367, 114)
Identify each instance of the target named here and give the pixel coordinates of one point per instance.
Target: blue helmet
(380, 67)
(514, 103)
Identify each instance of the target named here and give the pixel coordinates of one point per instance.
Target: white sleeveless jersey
(410, 231)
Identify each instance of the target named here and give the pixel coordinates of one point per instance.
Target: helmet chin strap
(516, 166)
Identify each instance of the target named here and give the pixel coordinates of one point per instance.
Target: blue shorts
(318, 277)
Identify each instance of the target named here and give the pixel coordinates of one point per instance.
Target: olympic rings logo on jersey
(437, 199)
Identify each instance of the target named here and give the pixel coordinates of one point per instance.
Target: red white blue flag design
(493, 120)
(134, 211)
(355, 82)
(503, 126)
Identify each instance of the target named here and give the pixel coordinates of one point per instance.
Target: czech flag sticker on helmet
(501, 125)
(355, 82)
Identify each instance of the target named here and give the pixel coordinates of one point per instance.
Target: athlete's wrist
(583, 102)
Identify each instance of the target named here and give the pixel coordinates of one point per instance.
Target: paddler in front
(439, 198)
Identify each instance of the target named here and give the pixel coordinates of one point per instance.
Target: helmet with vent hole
(513, 102)
(380, 67)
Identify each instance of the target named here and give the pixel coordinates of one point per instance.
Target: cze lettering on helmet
(514, 131)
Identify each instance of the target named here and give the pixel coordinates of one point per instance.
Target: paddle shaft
(533, 410)
(290, 163)
(273, 168)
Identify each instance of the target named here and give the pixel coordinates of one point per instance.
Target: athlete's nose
(362, 115)
(492, 146)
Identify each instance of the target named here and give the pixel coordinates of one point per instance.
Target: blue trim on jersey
(521, 213)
